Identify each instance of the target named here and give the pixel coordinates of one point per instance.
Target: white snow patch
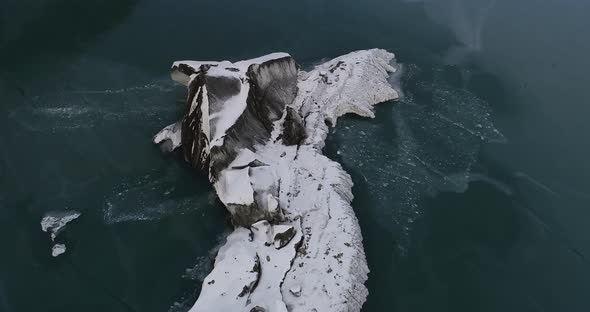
(248, 272)
(195, 102)
(206, 128)
(233, 187)
(296, 291)
(231, 110)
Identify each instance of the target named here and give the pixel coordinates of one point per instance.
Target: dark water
(455, 216)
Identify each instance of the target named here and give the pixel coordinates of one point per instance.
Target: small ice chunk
(296, 291)
(54, 222)
(58, 249)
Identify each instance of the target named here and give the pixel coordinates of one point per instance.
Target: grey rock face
(271, 85)
(293, 128)
(232, 107)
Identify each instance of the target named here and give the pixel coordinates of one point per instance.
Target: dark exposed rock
(293, 128)
(272, 86)
(194, 142)
(283, 235)
(246, 215)
(250, 287)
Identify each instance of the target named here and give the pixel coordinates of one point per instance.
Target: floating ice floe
(58, 249)
(54, 223)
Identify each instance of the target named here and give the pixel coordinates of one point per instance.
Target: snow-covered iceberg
(257, 128)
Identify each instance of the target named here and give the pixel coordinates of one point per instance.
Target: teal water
(84, 86)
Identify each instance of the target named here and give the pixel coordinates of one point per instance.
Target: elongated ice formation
(257, 128)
